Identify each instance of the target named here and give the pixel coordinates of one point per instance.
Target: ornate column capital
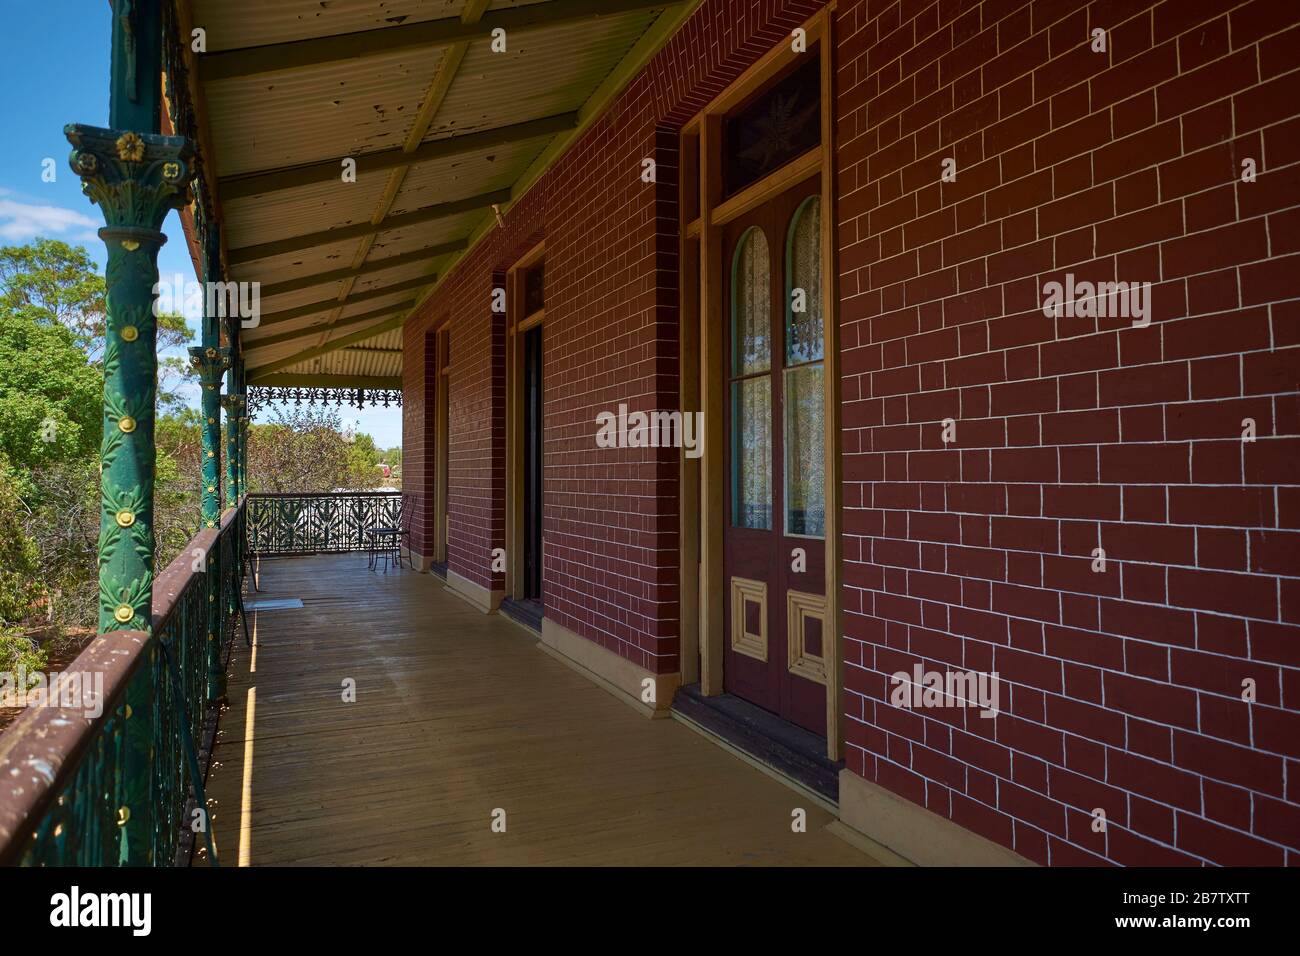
(134, 178)
(211, 363)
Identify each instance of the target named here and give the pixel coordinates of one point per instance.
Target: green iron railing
(111, 773)
(319, 522)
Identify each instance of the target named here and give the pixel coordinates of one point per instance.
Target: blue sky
(54, 69)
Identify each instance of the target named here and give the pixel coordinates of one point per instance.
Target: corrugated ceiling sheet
(285, 213)
(233, 25)
(322, 114)
(542, 73)
(318, 113)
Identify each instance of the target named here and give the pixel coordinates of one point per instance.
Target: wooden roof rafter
(384, 312)
(444, 75)
(328, 170)
(300, 311)
(653, 21)
(325, 237)
(292, 54)
(366, 268)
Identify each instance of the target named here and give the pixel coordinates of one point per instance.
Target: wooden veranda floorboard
(457, 714)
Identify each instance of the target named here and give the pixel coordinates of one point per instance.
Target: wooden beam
(652, 41)
(433, 99)
(319, 327)
(323, 305)
(258, 374)
(391, 382)
(294, 54)
(330, 170)
(375, 265)
(444, 210)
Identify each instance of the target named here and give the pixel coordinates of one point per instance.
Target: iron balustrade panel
(73, 792)
(318, 522)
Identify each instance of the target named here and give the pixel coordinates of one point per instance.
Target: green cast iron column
(135, 176)
(135, 179)
(233, 403)
(243, 447)
(211, 361)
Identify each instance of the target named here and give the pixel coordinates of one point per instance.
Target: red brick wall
(610, 516)
(1120, 690)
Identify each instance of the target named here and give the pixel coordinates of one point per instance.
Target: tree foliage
(52, 324)
(306, 449)
(19, 567)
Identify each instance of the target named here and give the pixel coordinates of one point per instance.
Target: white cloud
(21, 220)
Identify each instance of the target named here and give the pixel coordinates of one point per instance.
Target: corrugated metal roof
(467, 174)
(296, 212)
(543, 72)
(379, 357)
(318, 113)
(355, 107)
(233, 25)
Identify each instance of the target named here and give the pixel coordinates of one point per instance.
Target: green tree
(52, 323)
(49, 393)
(178, 475)
(55, 283)
(19, 567)
(305, 449)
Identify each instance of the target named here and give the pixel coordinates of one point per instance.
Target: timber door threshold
(795, 756)
(527, 612)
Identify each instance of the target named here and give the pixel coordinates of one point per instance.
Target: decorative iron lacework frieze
(259, 396)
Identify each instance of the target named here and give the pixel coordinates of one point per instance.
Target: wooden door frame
(516, 324)
(442, 449)
(704, 213)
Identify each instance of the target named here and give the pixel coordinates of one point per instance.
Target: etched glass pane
(751, 305)
(805, 462)
(803, 304)
(751, 453)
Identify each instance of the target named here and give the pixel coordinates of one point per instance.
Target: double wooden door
(774, 554)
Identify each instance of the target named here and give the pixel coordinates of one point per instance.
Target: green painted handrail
(67, 795)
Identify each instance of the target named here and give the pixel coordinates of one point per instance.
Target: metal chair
(385, 542)
(404, 529)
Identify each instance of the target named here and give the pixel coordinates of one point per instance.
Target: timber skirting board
(477, 595)
(915, 833)
(617, 675)
(417, 560)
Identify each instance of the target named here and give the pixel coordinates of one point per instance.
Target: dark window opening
(532, 489)
(534, 288)
(779, 124)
